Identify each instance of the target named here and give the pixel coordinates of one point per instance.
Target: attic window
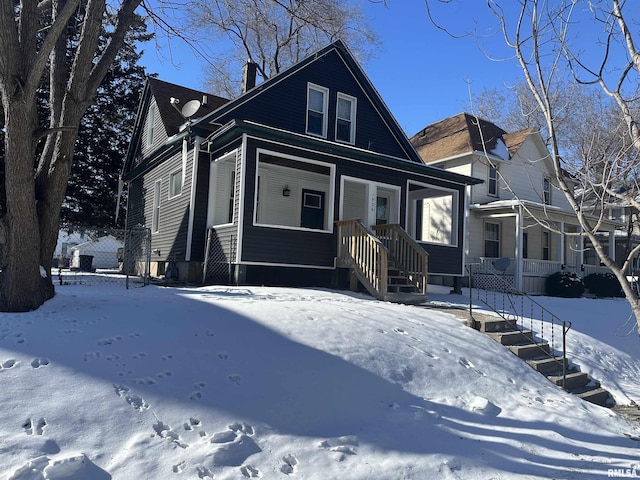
(317, 102)
(151, 122)
(492, 184)
(546, 190)
(345, 118)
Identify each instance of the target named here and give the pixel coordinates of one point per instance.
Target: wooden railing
(409, 257)
(358, 248)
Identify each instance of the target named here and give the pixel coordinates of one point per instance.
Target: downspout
(192, 197)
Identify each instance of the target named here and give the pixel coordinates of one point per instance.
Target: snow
(254, 382)
(500, 150)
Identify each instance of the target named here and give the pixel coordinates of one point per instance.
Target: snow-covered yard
(254, 382)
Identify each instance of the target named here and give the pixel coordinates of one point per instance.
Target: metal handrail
(515, 303)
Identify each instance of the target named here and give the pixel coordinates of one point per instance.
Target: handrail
(501, 297)
(358, 248)
(410, 258)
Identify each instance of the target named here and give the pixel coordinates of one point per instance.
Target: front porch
(534, 272)
(525, 243)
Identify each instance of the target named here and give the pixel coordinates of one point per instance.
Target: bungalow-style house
(304, 179)
(519, 224)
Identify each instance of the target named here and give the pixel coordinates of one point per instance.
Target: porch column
(517, 274)
(612, 245)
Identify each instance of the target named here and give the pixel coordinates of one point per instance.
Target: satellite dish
(190, 108)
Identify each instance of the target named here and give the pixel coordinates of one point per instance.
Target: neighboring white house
(104, 253)
(518, 212)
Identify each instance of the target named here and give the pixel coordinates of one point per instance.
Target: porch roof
(236, 127)
(548, 212)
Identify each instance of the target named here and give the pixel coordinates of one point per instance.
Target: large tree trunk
(22, 287)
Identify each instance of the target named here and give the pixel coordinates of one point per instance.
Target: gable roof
(171, 118)
(458, 135)
(514, 140)
(356, 70)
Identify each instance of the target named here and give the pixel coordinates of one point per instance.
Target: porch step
(512, 337)
(530, 350)
(414, 298)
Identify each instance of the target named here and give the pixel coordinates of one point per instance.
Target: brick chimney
(249, 76)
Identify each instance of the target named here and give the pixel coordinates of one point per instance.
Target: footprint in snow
(39, 362)
(290, 464)
(8, 363)
(250, 472)
(32, 427)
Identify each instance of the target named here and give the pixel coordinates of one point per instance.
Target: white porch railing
(541, 268)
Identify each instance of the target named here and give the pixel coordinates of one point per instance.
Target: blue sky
(422, 74)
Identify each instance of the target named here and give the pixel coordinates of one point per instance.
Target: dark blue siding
(284, 104)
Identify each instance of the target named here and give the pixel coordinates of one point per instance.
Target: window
(492, 240)
(525, 245)
(317, 101)
(382, 210)
(345, 118)
(151, 123)
(433, 214)
(546, 190)
(616, 214)
(492, 184)
(175, 184)
(546, 246)
(155, 215)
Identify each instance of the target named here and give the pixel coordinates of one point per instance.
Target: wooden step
(513, 337)
(530, 350)
(574, 380)
(547, 365)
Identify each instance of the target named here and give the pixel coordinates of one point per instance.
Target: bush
(565, 285)
(603, 285)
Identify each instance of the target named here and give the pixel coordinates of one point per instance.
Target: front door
(312, 213)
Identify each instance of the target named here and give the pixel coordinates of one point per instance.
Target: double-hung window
(492, 184)
(546, 190)
(317, 104)
(346, 118)
(491, 240)
(175, 183)
(155, 214)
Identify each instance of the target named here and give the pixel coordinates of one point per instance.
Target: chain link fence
(102, 256)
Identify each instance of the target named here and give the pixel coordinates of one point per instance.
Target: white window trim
(155, 213)
(329, 199)
(325, 109)
(180, 172)
(212, 176)
(545, 191)
(372, 187)
(485, 239)
(352, 128)
(489, 179)
(455, 214)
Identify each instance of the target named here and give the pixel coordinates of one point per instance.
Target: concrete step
(596, 395)
(513, 337)
(414, 298)
(530, 350)
(497, 325)
(547, 365)
(393, 288)
(574, 381)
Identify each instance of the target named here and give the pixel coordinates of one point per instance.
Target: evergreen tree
(103, 138)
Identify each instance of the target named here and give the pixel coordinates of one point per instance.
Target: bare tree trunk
(22, 288)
